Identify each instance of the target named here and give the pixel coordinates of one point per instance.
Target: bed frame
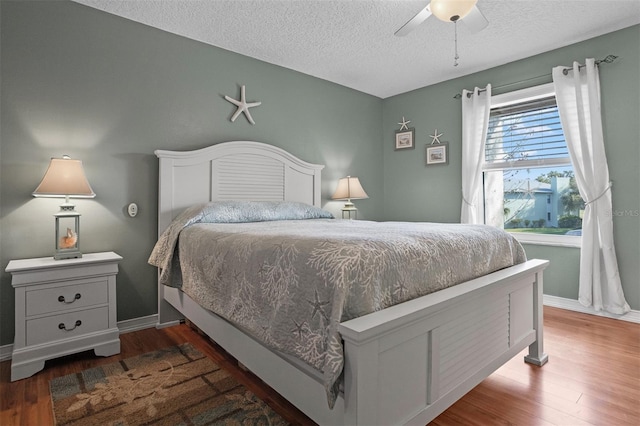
(403, 365)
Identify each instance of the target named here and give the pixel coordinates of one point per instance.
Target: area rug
(172, 386)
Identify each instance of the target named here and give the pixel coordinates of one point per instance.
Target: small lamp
(451, 10)
(349, 188)
(65, 178)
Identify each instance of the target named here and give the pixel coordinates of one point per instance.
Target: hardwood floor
(592, 378)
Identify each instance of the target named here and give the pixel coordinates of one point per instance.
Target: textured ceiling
(352, 42)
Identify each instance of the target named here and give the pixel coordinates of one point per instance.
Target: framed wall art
(437, 153)
(405, 139)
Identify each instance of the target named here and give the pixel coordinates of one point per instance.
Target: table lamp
(349, 188)
(65, 178)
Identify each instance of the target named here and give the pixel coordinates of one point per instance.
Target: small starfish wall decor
(403, 124)
(435, 137)
(243, 106)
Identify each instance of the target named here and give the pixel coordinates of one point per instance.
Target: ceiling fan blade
(475, 20)
(414, 22)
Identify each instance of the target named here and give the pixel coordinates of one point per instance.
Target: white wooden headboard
(238, 170)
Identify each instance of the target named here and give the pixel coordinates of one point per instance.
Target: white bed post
(167, 314)
(360, 385)
(536, 349)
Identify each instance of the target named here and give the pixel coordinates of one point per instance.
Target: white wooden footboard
(409, 363)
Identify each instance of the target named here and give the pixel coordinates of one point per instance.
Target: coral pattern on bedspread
(290, 283)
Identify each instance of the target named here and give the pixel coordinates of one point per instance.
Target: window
(529, 183)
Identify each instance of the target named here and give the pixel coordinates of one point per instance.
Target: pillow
(259, 211)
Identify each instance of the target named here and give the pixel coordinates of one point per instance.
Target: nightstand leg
(108, 349)
(25, 369)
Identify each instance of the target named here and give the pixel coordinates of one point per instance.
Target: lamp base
(67, 234)
(351, 213)
(67, 254)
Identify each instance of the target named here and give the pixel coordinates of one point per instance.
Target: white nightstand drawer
(62, 326)
(60, 298)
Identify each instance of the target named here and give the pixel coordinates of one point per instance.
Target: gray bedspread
(291, 282)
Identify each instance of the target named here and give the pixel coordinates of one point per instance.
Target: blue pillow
(259, 211)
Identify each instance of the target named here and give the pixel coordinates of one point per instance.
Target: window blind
(527, 134)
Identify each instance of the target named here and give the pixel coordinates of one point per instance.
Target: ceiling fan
(448, 11)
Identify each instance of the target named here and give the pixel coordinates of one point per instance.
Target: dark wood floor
(592, 378)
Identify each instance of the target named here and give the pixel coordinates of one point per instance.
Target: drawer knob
(61, 326)
(63, 300)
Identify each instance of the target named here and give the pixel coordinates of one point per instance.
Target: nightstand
(63, 307)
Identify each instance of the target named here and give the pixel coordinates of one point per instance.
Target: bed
(403, 364)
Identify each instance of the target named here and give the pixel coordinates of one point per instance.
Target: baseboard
(135, 324)
(5, 352)
(574, 305)
(125, 326)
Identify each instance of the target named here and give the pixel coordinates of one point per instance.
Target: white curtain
(476, 106)
(578, 97)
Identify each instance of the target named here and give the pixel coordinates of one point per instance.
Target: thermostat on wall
(132, 209)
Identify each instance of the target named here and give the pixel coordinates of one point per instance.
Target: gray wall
(109, 91)
(415, 192)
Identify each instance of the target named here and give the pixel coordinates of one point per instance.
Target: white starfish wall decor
(436, 137)
(403, 124)
(243, 106)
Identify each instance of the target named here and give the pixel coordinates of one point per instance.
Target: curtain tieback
(468, 203)
(601, 195)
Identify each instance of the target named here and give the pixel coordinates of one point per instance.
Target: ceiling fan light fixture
(451, 10)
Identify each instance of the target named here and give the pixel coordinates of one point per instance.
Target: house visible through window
(529, 181)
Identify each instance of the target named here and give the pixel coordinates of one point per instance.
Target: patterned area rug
(172, 386)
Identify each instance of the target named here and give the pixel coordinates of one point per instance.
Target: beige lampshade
(349, 188)
(451, 10)
(64, 178)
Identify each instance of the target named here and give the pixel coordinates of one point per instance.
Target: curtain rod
(609, 59)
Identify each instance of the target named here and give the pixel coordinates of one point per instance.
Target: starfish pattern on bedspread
(318, 307)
